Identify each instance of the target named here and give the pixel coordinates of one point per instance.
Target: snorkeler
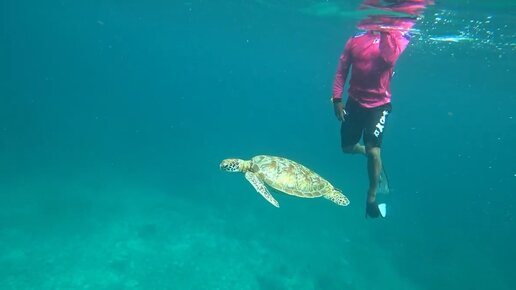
(371, 56)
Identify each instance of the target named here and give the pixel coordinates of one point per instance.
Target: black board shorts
(367, 122)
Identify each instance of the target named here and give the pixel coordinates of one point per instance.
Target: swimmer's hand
(340, 113)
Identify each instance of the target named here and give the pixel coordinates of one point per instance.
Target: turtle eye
(231, 166)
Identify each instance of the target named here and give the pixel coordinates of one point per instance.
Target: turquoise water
(114, 116)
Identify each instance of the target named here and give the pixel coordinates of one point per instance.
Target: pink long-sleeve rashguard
(371, 56)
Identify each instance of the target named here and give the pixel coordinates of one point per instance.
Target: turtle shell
(289, 176)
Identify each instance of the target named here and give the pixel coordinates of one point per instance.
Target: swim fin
(375, 210)
(382, 207)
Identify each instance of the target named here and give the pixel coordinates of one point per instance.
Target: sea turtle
(284, 175)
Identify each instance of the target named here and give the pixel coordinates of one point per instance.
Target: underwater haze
(115, 115)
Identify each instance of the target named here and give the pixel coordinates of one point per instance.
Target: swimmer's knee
(373, 152)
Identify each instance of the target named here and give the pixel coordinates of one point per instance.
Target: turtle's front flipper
(337, 197)
(260, 187)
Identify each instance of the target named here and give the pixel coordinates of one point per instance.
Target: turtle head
(232, 165)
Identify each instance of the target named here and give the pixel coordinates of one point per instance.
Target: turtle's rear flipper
(260, 187)
(338, 198)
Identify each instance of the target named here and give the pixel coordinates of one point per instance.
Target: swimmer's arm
(392, 44)
(342, 72)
